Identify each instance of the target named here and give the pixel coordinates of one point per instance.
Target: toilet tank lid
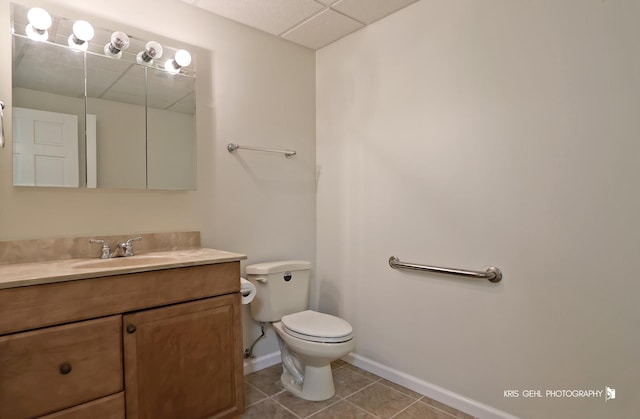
(276, 267)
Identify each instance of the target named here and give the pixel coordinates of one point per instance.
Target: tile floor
(359, 395)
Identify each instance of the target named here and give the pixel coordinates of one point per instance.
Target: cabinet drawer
(51, 369)
(25, 308)
(111, 407)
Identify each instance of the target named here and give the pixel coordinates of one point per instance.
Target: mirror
(103, 117)
(171, 131)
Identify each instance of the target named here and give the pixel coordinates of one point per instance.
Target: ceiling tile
(273, 16)
(368, 11)
(323, 29)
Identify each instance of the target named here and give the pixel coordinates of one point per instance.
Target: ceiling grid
(311, 23)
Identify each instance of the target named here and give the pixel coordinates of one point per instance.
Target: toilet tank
(281, 288)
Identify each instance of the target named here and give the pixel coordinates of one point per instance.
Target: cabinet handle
(131, 329)
(65, 368)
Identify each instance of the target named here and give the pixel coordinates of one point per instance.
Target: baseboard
(433, 391)
(261, 362)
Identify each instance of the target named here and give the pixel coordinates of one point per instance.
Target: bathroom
(453, 132)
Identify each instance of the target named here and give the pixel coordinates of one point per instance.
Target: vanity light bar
(40, 21)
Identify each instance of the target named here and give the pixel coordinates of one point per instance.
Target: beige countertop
(35, 273)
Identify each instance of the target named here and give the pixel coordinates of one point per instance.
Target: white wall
(258, 90)
(470, 133)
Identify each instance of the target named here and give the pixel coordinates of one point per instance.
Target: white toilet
(309, 341)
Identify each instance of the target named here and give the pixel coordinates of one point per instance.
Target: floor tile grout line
(286, 408)
(414, 402)
(255, 403)
(398, 391)
(354, 370)
(447, 414)
(325, 408)
(266, 396)
(359, 390)
(311, 414)
(256, 389)
(444, 412)
(362, 408)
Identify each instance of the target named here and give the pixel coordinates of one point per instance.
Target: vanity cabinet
(157, 344)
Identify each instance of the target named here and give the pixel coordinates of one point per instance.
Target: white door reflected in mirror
(45, 150)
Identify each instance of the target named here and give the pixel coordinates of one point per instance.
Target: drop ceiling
(311, 23)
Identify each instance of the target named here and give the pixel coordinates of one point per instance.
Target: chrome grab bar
(492, 273)
(231, 147)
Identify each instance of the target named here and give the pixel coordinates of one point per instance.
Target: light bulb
(171, 67)
(39, 21)
(119, 42)
(83, 30)
(152, 50)
(82, 33)
(182, 58)
(39, 18)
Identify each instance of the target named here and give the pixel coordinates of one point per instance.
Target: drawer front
(51, 369)
(111, 407)
(26, 308)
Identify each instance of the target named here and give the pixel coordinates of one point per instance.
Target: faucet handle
(128, 246)
(105, 251)
(128, 242)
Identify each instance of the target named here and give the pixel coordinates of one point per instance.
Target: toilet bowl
(309, 340)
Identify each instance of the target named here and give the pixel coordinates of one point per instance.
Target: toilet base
(317, 384)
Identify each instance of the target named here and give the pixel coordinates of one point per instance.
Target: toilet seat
(317, 327)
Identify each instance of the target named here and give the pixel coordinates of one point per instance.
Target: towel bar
(231, 147)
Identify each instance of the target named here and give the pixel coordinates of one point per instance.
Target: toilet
(309, 341)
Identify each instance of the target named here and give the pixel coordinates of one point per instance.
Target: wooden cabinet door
(184, 361)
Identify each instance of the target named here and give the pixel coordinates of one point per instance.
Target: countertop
(37, 273)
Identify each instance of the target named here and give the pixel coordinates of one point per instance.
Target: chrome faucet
(126, 246)
(106, 250)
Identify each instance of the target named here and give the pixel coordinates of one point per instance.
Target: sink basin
(124, 262)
